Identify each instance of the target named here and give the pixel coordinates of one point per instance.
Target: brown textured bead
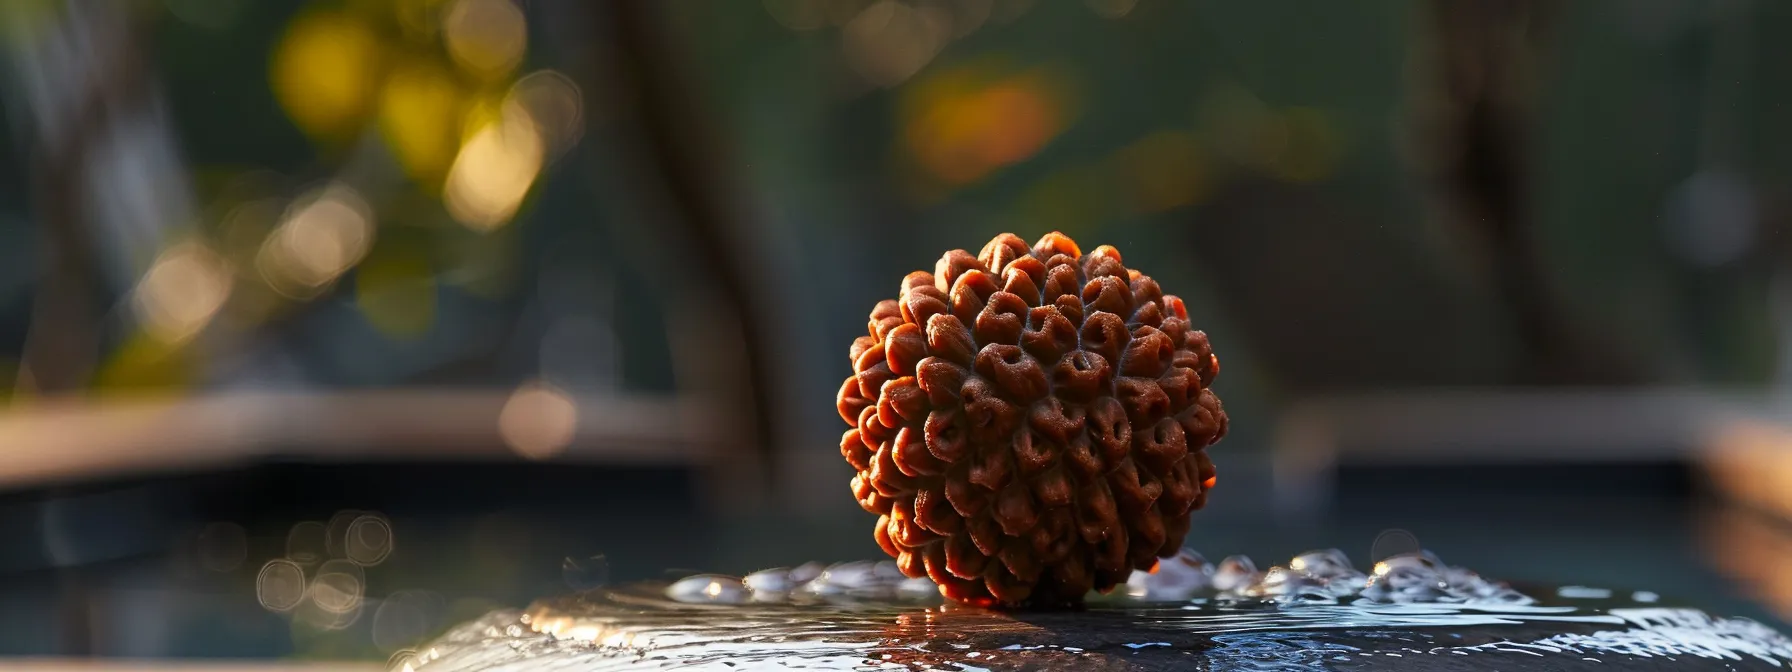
(1030, 423)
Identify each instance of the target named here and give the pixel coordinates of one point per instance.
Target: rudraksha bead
(1030, 423)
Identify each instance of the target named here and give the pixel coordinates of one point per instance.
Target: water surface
(1314, 612)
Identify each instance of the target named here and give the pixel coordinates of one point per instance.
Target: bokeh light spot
(335, 598)
(306, 543)
(182, 291)
(280, 586)
(420, 110)
(339, 587)
(324, 72)
(1163, 171)
(418, 19)
(1112, 9)
(336, 532)
(486, 37)
(890, 41)
(556, 106)
(963, 125)
(538, 421)
(798, 14)
(368, 540)
(324, 234)
(494, 170)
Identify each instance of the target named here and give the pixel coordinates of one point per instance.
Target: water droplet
(1583, 593)
(1326, 564)
(1408, 577)
(1282, 582)
(1235, 573)
(806, 572)
(708, 589)
(769, 585)
(1176, 578)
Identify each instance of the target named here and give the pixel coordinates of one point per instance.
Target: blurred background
(326, 324)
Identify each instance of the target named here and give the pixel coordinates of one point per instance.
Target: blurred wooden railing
(56, 441)
(1542, 426)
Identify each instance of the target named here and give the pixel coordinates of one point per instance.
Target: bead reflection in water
(280, 586)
